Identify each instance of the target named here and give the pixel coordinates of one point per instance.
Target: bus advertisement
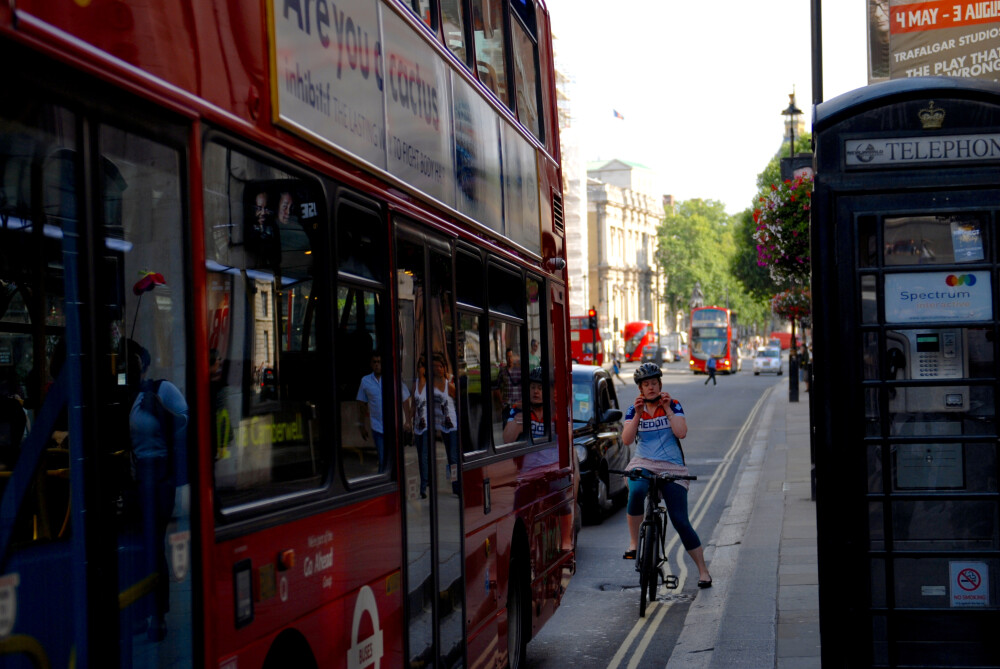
(586, 344)
(714, 333)
(637, 335)
(277, 300)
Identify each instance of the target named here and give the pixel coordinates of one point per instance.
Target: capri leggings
(676, 497)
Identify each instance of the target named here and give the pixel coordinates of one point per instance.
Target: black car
(597, 436)
(659, 354)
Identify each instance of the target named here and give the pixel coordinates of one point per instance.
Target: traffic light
(592, 316)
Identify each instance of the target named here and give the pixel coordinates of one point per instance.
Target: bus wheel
(518, 609)
(290, 649)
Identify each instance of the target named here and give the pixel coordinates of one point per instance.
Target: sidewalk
(763, 609)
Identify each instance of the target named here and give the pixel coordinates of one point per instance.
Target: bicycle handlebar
(636, 474)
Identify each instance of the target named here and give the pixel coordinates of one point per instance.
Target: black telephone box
(905, 257)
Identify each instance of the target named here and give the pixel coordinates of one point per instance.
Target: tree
(696, 244)
(692, 243)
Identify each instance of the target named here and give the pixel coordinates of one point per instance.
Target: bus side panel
(363, 627)
(298, 569)
(155, 40)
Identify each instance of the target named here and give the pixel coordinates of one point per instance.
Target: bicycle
(650, 554)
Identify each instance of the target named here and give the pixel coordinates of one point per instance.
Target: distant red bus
(785, 338)
(713, 334)
(637, 335)
(336, 432)
(582, 342)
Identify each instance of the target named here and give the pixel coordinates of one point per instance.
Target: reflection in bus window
(361, 392)
(148, 350)
(264, 316)
(526, 83)
(453, 25)
(472, 385)
(37, 159)
(487, 24)
(538, 367)
(425, 10)
(508, 376)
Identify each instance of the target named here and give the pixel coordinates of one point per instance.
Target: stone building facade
(623, 280)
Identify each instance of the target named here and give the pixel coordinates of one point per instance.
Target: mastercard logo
(961, 280)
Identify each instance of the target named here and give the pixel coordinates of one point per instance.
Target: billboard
(914, 38)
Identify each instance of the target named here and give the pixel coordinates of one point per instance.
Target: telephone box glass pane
(938, 524)
(875, 468)
(873, 425)
(940, 353)
(867, 242)
(927, 583)
(934, 240)
(869, 356)
(968, 467)
(876, 526)
(936, 411)
(878, 582)
(869, 300)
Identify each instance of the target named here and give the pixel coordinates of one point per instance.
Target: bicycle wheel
(647, 564)
(653, 565)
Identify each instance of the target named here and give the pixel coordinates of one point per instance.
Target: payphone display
(927, 355)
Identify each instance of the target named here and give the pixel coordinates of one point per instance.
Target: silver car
(768, 360)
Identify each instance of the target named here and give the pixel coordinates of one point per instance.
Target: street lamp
(791, 112)
(793, 363)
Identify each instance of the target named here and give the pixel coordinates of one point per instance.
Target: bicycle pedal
(671, 582)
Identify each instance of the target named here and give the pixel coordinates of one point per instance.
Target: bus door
(431, 480)
(904, 403)
(94, 531)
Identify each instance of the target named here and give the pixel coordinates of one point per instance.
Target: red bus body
(638, 335)
(785, 338)
(714, 333)
(294, 538)
(582, 346)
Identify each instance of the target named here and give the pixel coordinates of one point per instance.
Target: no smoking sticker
(969, 584)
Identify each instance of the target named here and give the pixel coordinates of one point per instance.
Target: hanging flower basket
(793, 304)
(782, 230)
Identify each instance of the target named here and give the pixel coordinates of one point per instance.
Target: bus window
(473, 378)
(424, 9)
(144, 275)
(508, 377)
(264, 314)
(538, 365)
(487, 24)
(363, 357)
(453, 23)
(526, 79)
(37, 157)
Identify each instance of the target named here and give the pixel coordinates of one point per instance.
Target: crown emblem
(931, 118)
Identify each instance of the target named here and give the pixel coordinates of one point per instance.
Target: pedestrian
(656, 422)
(710, 368)
(616, 368)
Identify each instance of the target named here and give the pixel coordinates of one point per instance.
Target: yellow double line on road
(657, 611)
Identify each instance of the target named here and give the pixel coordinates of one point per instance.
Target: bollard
(793, 378)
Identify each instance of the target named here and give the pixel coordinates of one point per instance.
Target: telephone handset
(928, 355)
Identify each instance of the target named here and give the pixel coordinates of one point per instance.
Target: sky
(701, 84)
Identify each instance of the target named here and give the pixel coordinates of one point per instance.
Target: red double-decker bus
(283, 334)
(586, 344)
(638, 335)
(714, 333)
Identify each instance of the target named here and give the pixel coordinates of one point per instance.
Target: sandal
(629, 555)
(705, 584)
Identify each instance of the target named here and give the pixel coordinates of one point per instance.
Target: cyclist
(656, 421)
